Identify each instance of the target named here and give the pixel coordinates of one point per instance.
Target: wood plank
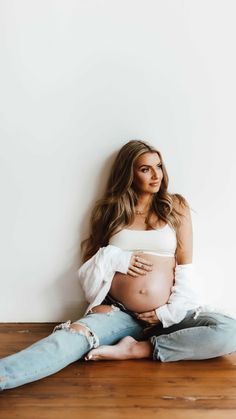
(107, 413)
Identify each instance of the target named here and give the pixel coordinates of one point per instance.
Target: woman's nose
(155, 176)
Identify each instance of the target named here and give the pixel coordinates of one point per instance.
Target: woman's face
(148, 173)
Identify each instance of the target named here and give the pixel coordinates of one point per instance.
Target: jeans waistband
(111, 301)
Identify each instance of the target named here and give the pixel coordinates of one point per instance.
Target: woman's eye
(144, 170)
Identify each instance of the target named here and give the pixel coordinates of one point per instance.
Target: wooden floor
(119, 389)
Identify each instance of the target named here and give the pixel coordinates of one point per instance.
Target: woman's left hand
(149, 317)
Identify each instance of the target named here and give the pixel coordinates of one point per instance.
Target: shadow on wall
(66, 295)
(99, 182)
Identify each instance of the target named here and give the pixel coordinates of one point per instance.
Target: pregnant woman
(137, 275)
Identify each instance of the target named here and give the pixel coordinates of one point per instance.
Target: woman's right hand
(138, 265)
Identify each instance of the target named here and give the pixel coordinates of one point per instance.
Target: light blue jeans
(206, 335)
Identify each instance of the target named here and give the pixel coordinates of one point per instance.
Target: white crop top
(160, 241)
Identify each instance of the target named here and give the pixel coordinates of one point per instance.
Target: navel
(143, 291)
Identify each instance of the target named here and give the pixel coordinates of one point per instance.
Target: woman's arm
(184, 253)
(183, 297)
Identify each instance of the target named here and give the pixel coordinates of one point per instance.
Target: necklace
(137, 212)
(142, 213)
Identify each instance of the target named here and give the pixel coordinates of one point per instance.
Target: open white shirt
(96, 275)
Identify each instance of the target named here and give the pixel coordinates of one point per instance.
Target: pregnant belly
(145, 292)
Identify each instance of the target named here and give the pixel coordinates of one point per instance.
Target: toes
(90, 356)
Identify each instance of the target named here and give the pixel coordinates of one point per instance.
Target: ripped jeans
(200, 335)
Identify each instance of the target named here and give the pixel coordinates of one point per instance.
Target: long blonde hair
(116, 208)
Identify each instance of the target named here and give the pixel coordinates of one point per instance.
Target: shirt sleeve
(118, 259)
(100, 269)
(183, 296)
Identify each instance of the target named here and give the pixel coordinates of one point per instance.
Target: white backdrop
(78, 79)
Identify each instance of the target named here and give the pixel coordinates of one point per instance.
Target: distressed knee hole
(105, 309)
(79, 328)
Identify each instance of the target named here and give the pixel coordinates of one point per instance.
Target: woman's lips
(154, 184)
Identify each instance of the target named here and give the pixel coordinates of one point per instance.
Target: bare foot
(126, 348)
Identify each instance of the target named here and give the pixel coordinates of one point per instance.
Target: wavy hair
(116, 209)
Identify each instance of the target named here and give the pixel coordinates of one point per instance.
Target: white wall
(78, 80)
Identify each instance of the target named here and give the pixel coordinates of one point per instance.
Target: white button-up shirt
(96, 275)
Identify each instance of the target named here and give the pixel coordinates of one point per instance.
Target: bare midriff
(145, 292)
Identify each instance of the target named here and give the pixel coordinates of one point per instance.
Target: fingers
(139, 259)
(149, 317)
(130, 272)
(136, 271)
(140, 270)
(147, 314)
(139, 265)
(143, 265)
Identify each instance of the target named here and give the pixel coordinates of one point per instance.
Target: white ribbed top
(160, 241)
